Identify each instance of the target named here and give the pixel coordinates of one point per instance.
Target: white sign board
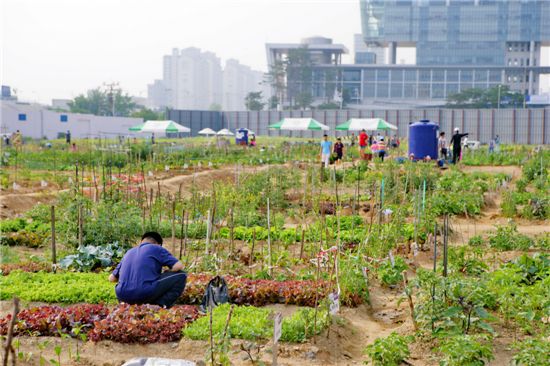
(277, 327)
(334, 298)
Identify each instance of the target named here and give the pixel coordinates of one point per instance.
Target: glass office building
(459, 45)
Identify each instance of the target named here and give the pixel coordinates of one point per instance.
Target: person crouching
(139, 274)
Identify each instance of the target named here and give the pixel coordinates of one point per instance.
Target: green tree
(299, 77)
(273, 102)
(148, 115)
(485, 98)
(276, 77)
(102, 103)
(253, 101)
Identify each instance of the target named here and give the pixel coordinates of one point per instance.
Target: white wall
(42, 122)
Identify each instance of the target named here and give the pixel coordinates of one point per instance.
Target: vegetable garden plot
(357, 230)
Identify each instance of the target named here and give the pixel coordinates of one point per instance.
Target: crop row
(150, 323)
(71, 288)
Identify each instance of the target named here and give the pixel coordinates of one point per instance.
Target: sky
(61, 48)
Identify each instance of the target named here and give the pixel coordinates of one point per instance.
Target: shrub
(12, 225)
(391, 274)
(532, 352)
(508, 238)
(464, 349)
(476, 241)
(23, 238)
(389, 351)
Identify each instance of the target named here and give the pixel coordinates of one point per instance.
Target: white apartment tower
(193, 79)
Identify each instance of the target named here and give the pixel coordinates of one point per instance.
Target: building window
(22, 117)
(63, 118)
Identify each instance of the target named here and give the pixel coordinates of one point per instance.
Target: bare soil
(347, 337)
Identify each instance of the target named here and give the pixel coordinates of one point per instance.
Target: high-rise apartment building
(193, 79)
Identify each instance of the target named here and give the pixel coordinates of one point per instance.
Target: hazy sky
(61, 48)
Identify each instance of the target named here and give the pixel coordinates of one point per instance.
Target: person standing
(456, 142)
(352, 144)
(139, 274)
(363, 138)
(68, 137)
(491, 146)
(442, 145)
(339, 150)
(153, 138)
(381, 148)
(325, 150)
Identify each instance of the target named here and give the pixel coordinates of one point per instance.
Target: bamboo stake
(269, 239)
(54, 259)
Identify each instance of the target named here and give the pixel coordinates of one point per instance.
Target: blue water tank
(423, 139)
(241, 136)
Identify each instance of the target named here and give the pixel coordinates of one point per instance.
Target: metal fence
(519, 126)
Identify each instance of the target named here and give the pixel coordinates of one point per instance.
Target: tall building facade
(505, 33)
(458, 45)
(193, 79)
(238, 81)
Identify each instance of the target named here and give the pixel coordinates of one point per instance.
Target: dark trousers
(456, 155)
(170, 286)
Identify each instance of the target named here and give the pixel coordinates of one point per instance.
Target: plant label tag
(392, 259)
(261, 161)
(277, 327)
(70, 180)
(334, 298)
(199, 164)
(166, 168)
(15, 186)
(210, 164)
(43, 183)
(150, 173)
(185, 166)
(415, 249)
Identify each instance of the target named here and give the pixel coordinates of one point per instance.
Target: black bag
(216, 294)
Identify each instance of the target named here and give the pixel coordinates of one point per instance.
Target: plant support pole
(54, 259)
(269, 239)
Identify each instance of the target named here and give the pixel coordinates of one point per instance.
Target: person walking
(339, 150)
(139, 275)
(363, 142)
(442, 145)
(456, 142)
(68, 137)
(325, 151)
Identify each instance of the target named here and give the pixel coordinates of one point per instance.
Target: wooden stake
(208, 231)
(409, 297)
(54, 259)
(269, 240)
(80, 231)
(8, 348)
(174, 226)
